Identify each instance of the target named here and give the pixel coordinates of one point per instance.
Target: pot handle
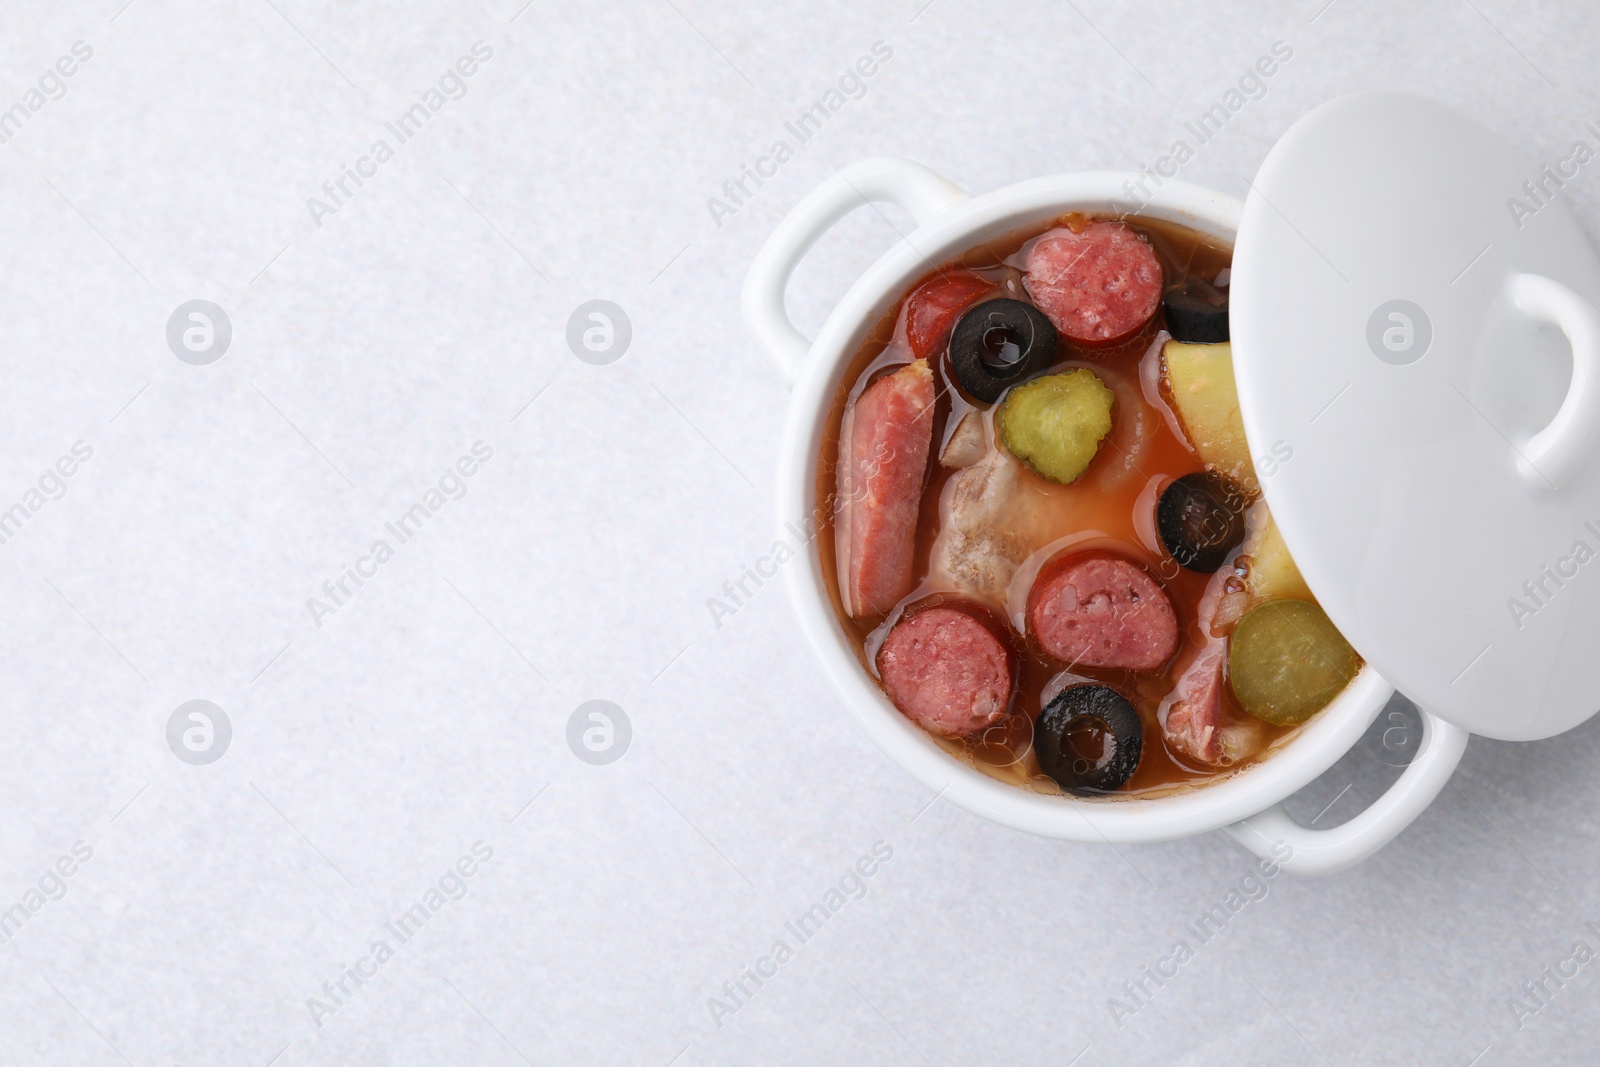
(1556, 452)
(1326, 851)
(920, 191)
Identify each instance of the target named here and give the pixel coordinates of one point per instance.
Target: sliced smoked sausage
(1195, 718)
(1097, 285)
(883, 460)
(1091, 609)
(947, 670)
(935, 306)
(1193, 722)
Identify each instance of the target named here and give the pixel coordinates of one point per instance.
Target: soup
(1045, 535)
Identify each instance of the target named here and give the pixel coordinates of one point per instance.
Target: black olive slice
(999, 343)
(1200, 519)
(1089, 740)
(1197, 318)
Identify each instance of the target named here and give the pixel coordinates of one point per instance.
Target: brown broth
(1110, 506)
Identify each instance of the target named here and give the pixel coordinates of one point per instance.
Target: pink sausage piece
(883, 460)
(1194, 720)
(946, 671)
(1099, 285)
(1094, 610)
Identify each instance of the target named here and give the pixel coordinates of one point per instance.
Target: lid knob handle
(1554, 454)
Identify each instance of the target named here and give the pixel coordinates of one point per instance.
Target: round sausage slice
(1098, 285)
(947, 671)
(933, 308)
(1095, 610)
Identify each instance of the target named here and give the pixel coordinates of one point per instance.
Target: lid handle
(1554, 454)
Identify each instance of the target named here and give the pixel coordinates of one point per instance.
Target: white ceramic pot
(949, 222)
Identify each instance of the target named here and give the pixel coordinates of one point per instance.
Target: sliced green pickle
(1286, 661)
(1055, 424)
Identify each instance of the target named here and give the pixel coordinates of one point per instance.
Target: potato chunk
(1273, 574)
(1199, 381)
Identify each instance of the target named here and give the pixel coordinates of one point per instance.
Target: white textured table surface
(377, 338)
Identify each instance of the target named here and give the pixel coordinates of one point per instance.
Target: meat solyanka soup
(1047, 540)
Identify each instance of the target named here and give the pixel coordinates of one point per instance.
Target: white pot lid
(1418, 326)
